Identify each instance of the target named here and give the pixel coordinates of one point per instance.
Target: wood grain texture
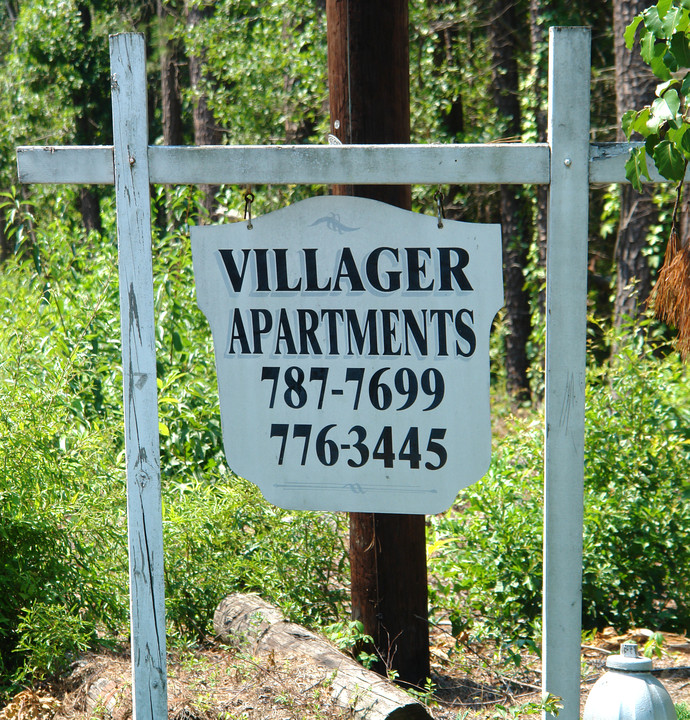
(566, 324)
(147, 602)
(248, 622)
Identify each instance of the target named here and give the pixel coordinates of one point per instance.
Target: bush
(487, 552)
(59, 527)
(63, 535)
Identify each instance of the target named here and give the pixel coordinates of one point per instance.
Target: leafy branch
(663, 33)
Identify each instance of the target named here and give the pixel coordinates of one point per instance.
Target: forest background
(245, 72)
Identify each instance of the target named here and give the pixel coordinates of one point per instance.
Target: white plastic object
(628, 690)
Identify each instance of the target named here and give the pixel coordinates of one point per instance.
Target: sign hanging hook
(438, 196)
(248, 200)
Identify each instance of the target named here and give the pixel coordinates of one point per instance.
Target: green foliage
(486, 553)
(63, 537)
(682, 711)
(58, 530)
(549, 704)
(349, 636)
(245, 66)
(52, 637)
(663, 32)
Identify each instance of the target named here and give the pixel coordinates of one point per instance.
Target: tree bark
(250, 623)
(635, 85)
(368, 74)
(539, 45)
(503, 39)
(205, 130)
(171, 101)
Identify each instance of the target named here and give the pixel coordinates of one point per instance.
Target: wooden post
(144, 517)
(368, 73)
(566, 327)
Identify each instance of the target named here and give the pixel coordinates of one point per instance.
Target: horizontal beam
(83, 165)
(512, 163)
(298, 164)
(352, 164)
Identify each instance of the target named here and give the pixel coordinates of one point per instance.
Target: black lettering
(372, 269)
(285, 334)
(354, 330)
(450, 270)
(262, 283)
(347, 268)
(235, 276)
(308, 322)
(237, 332)
(313, 272)
(416, 269)
(466, 333)
(260, 328)
(389, 320)
(282, 273)
(441, 316)
(331, 316)
(420, 336)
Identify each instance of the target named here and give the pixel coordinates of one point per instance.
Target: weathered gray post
(142, 445)
(566, 325)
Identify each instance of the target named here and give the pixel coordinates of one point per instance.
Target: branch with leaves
(663, 33)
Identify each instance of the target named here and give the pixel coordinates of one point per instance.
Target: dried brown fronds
(671, 294)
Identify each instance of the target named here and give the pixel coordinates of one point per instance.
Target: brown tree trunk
(368, 73)
(171, 101)
(503, 29)
(90, 207)
(538, 48)
(205, 130)
(635, 85)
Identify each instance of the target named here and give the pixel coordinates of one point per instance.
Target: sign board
(352, 351)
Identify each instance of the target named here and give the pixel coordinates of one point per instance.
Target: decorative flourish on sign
(333, 223)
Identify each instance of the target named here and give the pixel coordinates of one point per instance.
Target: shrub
(487, 551)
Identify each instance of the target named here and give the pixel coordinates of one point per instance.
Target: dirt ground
(215, 682)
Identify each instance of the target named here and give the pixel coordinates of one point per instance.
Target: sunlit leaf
(669, 161)
(653, 22)
(629, 34)
(663, 7)
(636, 168)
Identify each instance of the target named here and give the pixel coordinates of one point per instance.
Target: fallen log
(252, 624)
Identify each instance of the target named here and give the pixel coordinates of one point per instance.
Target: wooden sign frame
(567, 163)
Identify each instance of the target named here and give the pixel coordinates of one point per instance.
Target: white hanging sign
(352, 351)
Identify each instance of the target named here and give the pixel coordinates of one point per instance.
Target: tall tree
(368, 61)
(635, 86)
(504, 28)
(170, 51)
(206, 131)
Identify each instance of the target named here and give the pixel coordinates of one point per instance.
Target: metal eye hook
(248, 200)
(438, 196)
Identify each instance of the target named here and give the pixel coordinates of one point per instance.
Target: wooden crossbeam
(515, 163)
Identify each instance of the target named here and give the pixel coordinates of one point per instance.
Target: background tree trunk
(205, 130)
(635, 85)
(368, 74)
(503, 29)
(171, 101)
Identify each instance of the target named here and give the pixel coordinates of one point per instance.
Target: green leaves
(664, 39)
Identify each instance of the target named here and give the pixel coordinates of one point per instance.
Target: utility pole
(368, 75)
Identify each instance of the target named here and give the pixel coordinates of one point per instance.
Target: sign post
(567, 164)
